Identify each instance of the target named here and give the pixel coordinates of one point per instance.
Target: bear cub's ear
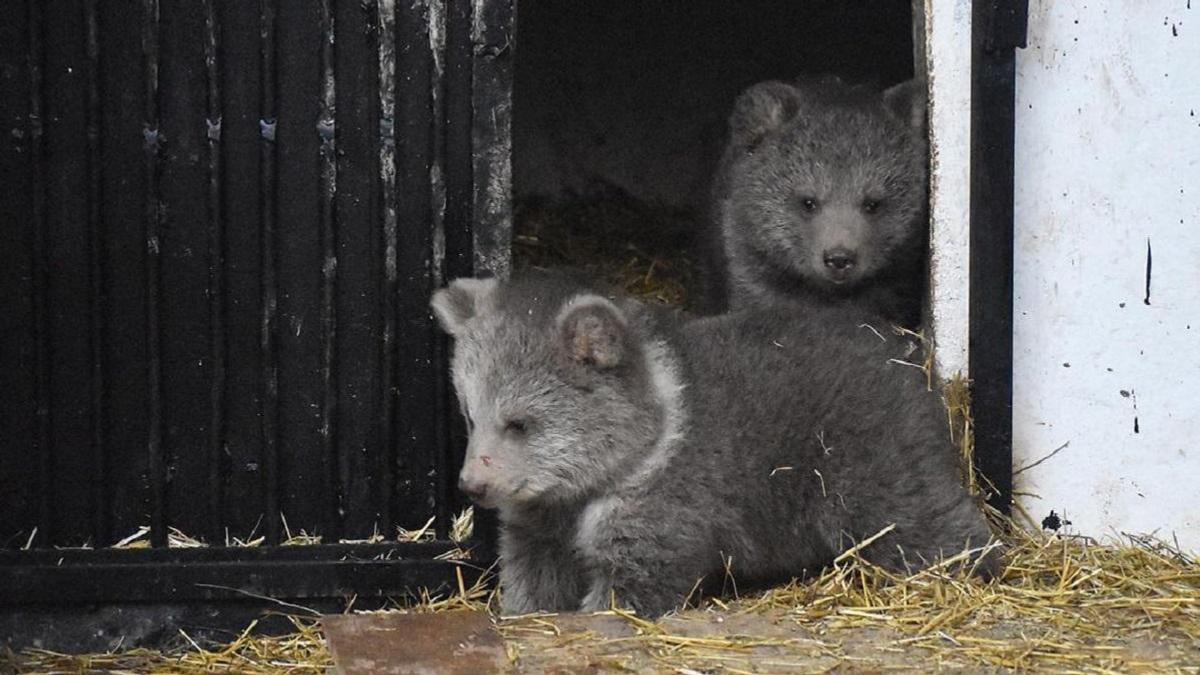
(761, 109)
(592, 330)
(460, 301)
(907, 102)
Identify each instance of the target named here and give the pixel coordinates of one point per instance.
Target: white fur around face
(668, 392)
(596, 516)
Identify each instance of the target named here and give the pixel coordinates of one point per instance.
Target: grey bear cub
(631, 454)
(821, 193)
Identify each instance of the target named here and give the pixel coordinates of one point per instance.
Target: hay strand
(1060, 602)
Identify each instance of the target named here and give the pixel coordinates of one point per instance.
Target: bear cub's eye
(516, 427)
(808, 204)
(872, 205)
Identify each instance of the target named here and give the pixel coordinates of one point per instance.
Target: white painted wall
(947, 37)
(1108, 159)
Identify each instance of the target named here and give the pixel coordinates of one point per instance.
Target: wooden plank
(329, 521)
(124, 186)
(68, 260)
(360, 250)
(268, 270)
(184, 244)
(18, 416)
(210, 581)
(246, 199)
(493, 38)
(97, 382)
(494, 42)
(384, 459)
(400, 550)
(304, 498)
(990, 344)
(457, 234)
(152, 209)
(217, 336)
(418, 223)
(404, 644)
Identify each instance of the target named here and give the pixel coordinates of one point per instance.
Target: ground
(1064, 604)
(775, 641)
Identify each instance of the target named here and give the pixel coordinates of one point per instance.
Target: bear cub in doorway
(821, 193)
(631, 454)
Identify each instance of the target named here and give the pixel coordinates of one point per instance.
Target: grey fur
(631, 453)
(795, 187)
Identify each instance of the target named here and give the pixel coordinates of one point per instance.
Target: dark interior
(620, 109)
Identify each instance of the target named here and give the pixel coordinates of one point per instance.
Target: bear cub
(821, 193)
(631, 454)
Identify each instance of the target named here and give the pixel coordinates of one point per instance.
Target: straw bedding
(1062, 603)
(638, 249)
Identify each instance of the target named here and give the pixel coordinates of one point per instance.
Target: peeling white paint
(948, 70)
(1107, 163)
(387, 144)
(491, 131)
(438, 187)
(497, 203)
(436, 12)
(479, 22)
(436, 15)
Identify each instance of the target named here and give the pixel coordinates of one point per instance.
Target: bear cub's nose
(473, 490)
(839, 259)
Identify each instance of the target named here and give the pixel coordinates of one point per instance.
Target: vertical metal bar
(385, 506)
(442, 436)
(216, 282)
(457, 162)
(270, 370)
(493, 31)
(18, 481)
(438, 26)
(157, 464)
(239, 52)
(996, 28)
(420, 37)
(920, 63)
(492, 36)
(457, 201)
(41, 333)
(436, 16)
(100, 520)
(326, 129)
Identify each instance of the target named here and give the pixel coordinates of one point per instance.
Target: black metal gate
(221, 223)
